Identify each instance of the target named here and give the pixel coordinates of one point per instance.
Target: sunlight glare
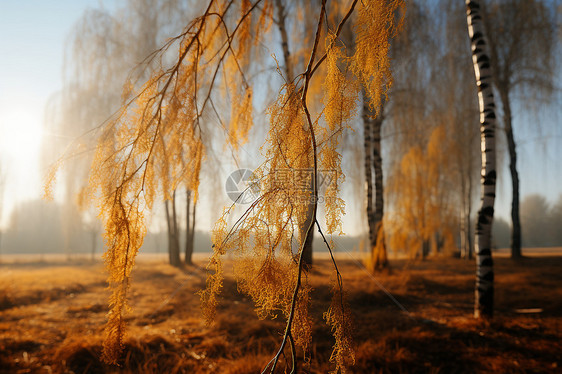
(20, 148)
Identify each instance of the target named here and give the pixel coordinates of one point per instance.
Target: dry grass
(51, 320)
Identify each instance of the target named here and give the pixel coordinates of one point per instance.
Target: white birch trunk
(484, 303)
(375, 207)
(367, 130)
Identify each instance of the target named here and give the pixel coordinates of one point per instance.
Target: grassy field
(52, 316)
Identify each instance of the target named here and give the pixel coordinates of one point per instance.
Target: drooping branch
(156, 144)
(307, 76)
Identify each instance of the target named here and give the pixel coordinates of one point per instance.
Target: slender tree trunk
(466, 169)
(373, 161)
(367, 145)
(516, 223)
(462, 229)
(438, 241)
(484, 293)
(176, 237)
(188, 248)
(469, 217)
(466, 207)
(175, 225)
(426, 245)
(466, 226)
(463, 223)
(380, 260)
(307, 250)
(281, 18)
(173, 240)
(189, 229)
(192, 235)
(169, 225)
(377, 164)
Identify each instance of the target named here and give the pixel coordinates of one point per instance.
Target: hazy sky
(32, 39)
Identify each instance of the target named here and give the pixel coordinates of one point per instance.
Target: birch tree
(484, 295)
(522, 39)
(372, 130)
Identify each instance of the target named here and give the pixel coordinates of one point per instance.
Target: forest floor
(52, 317)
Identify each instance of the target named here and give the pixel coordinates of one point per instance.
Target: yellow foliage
(265, 19)
(377, 22)
(244, 35)
(240, 119)
(155, 144)
(340, 322)
(341, 95)
(421, 187)
(262, 243)
(214, 280)
(377, 255)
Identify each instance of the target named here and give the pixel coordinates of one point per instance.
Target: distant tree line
(37, 227)
(541, 224)
(40, 227)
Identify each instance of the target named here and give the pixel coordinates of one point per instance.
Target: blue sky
(32, 37)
